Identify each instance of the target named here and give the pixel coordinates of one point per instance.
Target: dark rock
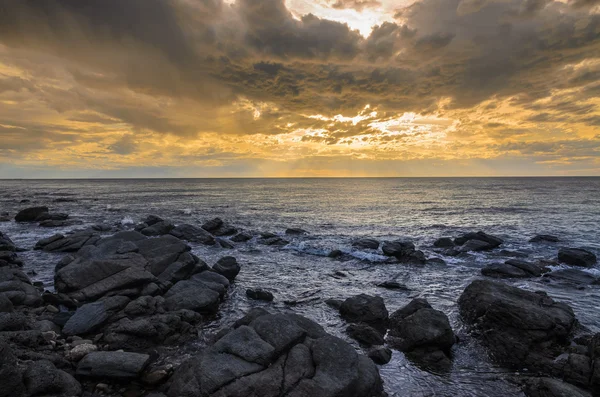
(274, 241)
(277, 355)
(574, 368)
(392, 284)
(16, 286)
(212, 224)
(219, 228)
(14, 322)
(295, 231)
(228, 267)
(335, 303)
(503, 270)
(544, 238)
(529, 267)
(241, 237)
(365, 309)
(158, 229)
(520, 328)
(475, 246)
(259, 294)
(193, 234)
(423, 333)
(43, 379)
(12, 383)
(193, 295)
(548, 387)
(436, 261)
(444, 242)
(365, 334)
(492, 241)
(223, 243)
(6, 305)
(53, 223)
(113, 365)
(577, 257)
(335, 254)
(30, 214)
(48, 240)
(572, 276)
(152, 220)
(6, 243)
(404, 251)
(70, 243)
(380, 355)
(46, 216)
(366, 243)
(91, 316)
(178, 271)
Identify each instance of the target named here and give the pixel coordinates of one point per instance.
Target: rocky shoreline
(122, 297)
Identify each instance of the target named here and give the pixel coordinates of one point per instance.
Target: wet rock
(52, 223)
(380, 355)
(477, 239)
(277, 355)
(574, 368)
(365, 309)
(223, 243)
(423, 333)
(241, 237)
(295, 231)
(4, 217)
(43, 379)
(392, 284)
(113, 365)
(6, 243)
(531, 268)
(228, 267)
(30, 214)
(158, 229)
(365, 334)
(436, 261)
(334, 303)
(16, 287)
(193, 234)
(178, 271)
(193, 295)
(544, 238)
(259, 294)
(548, 387)
(335, 254)
(572, 276)
(366, 243)
(520, 328)
(47, 216)
(577, 257)
(444, 242)
(70, 243)
(504, 270)
(273, 241)
(91, 316)
(12, 383)
(404, 251)
(219, 228)
(152, 220)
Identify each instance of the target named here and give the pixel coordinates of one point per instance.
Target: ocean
(335, 212)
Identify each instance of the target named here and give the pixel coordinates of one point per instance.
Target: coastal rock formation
(366, 243)
(16, 287)
(423, 334)
(270, 355)
(521, 329)
(365, 309)
(512, 268)
(478, 241)
(193, 234)
(219, 228)
(577, 257)
(112, 365)
(228, 267)
(31, 214)
(404, 251)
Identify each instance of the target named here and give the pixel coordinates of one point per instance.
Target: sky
(299, 88)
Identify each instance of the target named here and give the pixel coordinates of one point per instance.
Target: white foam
(127, 221)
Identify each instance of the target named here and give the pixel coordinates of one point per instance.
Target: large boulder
(228, 267)
(193, 234)
(404, 251)
(113, 365)
(91, 316)
(43, 379)
(365, 309)
(31, 214)
(17, 288)
(270, 355)
(197, 294)
(577, 257)
(480, 238)
(520, 328)
(423, 334)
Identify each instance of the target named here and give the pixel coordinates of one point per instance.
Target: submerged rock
(478, 241)
(295, 231)
(520, 328)
(30, 214)
(577, 257)
(423, 333)
(241, 237)
(544, 238)
(366, 243)
(259, 294)
(404, 251)
(504, 270)
(276, 355)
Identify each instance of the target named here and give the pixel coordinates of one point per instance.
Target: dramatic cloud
(275, 85)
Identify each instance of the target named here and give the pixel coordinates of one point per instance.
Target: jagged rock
(423, 333)
(520, 328)
(574, 368)
(366, 243)
(277, 355)
(365, 334)
(193, 234)
(380, 355)
(113, 365)
(544, 238)
(43, 379)
(228, 267)
(577, 257)
(259, 294)
(444, 242)
(478, 237)
(30, 214)
(91, 316)
(365, 309)
(404, 251)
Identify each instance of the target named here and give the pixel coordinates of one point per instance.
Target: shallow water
(335, 211)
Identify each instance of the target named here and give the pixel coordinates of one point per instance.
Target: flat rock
(577, 257)
(193, 295)
(91, 316)
(113, 365)
(295, 231)
(492, 241)
(158, 229)
(504, 270)
(193, 234)
(259, 294)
